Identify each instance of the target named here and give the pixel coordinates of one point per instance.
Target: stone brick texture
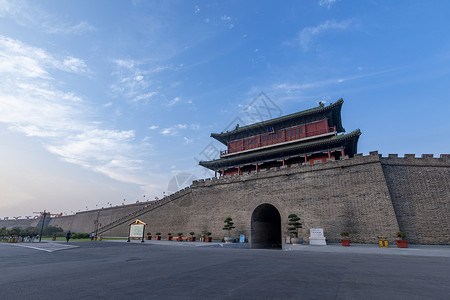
(420, 193)
(367, 196)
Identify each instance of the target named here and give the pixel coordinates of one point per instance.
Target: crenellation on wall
(367, 195)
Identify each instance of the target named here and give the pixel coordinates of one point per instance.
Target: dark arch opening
(266, 227)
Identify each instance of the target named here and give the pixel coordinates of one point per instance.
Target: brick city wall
(346, 195)
(367, 196)
(420, 193)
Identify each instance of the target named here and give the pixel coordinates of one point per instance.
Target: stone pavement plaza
(182, 270)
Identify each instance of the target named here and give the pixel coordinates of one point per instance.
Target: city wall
(366, 196)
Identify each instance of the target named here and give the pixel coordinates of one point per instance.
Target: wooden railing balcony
(284, 138)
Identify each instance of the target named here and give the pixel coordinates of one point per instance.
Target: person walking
(68, 236)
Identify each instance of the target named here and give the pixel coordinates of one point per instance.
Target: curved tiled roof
(335, 108)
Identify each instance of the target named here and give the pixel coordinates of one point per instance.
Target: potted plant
(228, 226)
(149, 236)
(180, 234)
(158, 236)
(169, 236)
(402, 242)
(294, 225)
(345, 240)
(208, 238)
(192, 237)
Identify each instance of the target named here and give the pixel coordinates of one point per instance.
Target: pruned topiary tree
(228, 225)
(294, 225)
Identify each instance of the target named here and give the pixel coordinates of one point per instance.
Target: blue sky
(102, 101)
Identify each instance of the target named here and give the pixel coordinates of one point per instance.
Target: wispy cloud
(135, 80)
(104, 151)
(31, 104)
(173, 101)
(327, 3)
(307, 34)
(29, 14)
(298, 91)
(174, 130)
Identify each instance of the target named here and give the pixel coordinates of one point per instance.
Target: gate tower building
(307, 136)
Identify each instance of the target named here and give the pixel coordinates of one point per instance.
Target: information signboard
(137, 228)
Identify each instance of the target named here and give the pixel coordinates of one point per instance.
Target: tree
(294, 224)
(228, 225)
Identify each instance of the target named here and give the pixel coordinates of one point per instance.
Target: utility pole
(44, 214)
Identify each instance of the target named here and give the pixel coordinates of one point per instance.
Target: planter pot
(229, 240)
(149, 237)
(192, 239)
(296, 241)
(208, 239)
(169, 238)
(345, 242)
(157, 238)
(402, 244)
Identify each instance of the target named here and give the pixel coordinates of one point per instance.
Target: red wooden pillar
(342, 152)
(329, 154)
(306, 158)
(239, 170)
(284, 162)
(215, 174)
(256, 167)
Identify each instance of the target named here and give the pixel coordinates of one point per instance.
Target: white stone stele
(316, 237)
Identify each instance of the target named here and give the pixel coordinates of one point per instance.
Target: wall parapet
(345, 161)
(411, 159)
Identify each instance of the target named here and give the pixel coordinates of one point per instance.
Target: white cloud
(153, 127)
(327, 3)
(168, 131)
(307, 34)
(188, 140)
(29, 14)
(75, 65)
(174, 130)
(144, 96)
(104, 151)
(31, 104)
(296, 91)
(135, 80)
(173, 101)
(196, 9)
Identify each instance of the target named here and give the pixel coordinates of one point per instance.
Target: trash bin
(382, 242)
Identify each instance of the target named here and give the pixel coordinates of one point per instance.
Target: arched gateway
(266, 227)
